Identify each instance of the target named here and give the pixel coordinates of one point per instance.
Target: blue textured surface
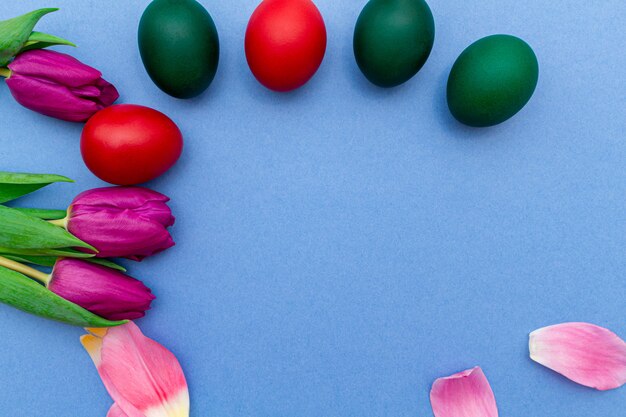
(342, 246)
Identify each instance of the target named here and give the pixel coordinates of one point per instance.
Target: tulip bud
(101, 290)
(124, 222)
(58, 85)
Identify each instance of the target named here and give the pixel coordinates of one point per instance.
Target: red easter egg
(128, 144)
(285, 43)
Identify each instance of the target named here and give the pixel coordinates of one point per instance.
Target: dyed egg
(285, 43)
(492, 80)
(393, 39)
(179, 46)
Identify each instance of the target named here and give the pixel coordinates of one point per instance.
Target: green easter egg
(393, 39)
(179, 46)
(492, 80)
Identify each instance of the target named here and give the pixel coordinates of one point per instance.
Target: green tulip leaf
(40, 40)
(21, 231)
(67, 253)
(26, 178)
(107, 262)
(57, 253)
(10, 192)
(14, 33)
(14, 185)
(49, 261)
(43, 214)
(27, 295)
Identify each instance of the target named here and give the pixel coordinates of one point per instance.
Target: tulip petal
(466, 394)
(116, 411)
(54, 67)
(143, 378)
(50, 99)
(93, 345)
(108, 93)
(144, 201)
(585, 353)
(87, 91)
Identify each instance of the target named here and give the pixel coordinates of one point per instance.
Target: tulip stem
(26, 270)
(5, 72)
(60, 222)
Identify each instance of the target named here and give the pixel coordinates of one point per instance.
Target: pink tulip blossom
(58, 85)
(101, 290)
(125, 222)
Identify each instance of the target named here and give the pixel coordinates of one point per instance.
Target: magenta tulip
(125, 222)
(99, 289)
(58, 85)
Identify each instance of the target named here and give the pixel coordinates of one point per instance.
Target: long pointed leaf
(49, 261)
(21, 231)
(14, 185)
(14, 33)
(106, 262)
(68, 253)
(26, 178)
(10, 192)
(43, 213)
(39, 40)
(25, 294)
(58, 253)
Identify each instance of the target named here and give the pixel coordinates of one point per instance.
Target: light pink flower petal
(585, 353)
(466, 394)
(142, 377)
(93, 344)
(116, 411)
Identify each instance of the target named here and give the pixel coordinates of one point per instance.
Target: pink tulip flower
(125, 222)
(143, 378)
(58, 85)
(101, 290)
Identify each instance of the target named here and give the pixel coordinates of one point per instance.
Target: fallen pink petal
(465, 394)
(585, 353)
(143, 377)
(116, 411)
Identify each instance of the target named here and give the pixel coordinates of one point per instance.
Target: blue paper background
(342, 246)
